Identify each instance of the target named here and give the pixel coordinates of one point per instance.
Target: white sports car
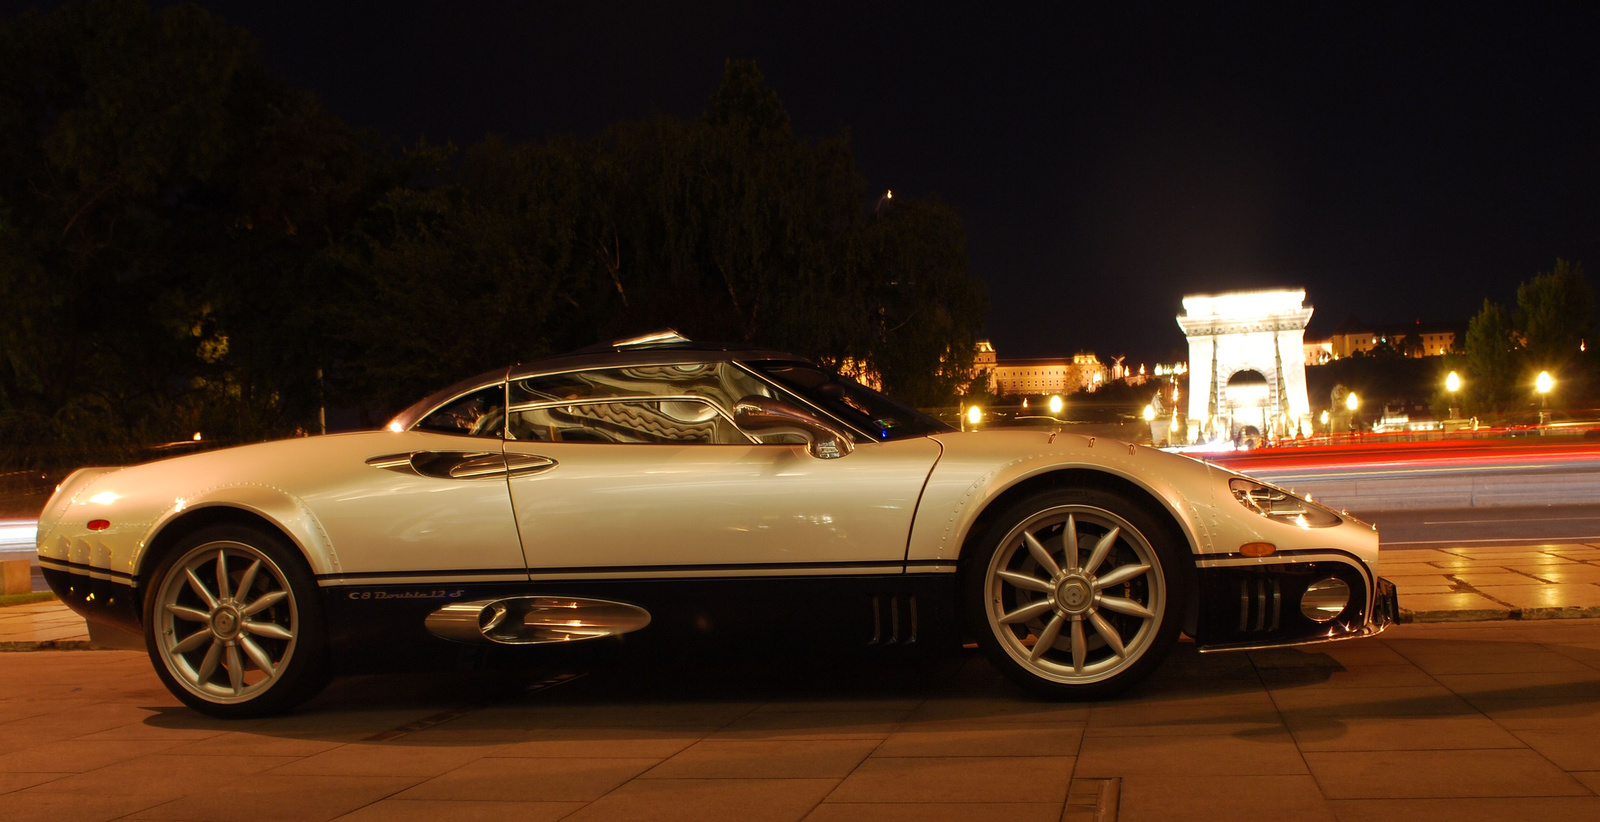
(656, 490)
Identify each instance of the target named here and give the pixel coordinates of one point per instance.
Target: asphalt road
(1511, 526)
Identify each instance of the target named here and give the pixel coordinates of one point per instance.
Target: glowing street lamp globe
(1544, 383)
(1056, 404)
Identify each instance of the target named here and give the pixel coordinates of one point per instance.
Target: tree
(1557, 315)
(1491, 359)
(726, 227)
(163, 198)
(928, 309)
(186, 243)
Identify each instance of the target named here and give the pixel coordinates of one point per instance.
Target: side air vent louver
(894, 620)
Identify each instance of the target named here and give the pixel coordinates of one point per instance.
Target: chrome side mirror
(767, 415)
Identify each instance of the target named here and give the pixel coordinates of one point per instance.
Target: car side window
(674, 421)
(671, 403)
(478, 414)
(720, 383)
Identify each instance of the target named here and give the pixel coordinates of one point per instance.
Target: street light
(1055, 404)
(1452, 384)
(1352, 402)
(974, 415)
(1543, 384)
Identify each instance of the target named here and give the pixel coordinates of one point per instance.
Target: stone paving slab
(1486, 720)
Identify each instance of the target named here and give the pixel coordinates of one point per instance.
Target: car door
(649, 477)
(430, 503)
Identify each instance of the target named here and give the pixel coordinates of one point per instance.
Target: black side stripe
(86, 570)
(401, 576)
(427, 575)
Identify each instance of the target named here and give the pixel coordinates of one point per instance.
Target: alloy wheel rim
(226, 622)
(1079, 616)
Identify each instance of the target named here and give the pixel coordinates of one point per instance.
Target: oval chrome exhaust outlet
(534, 620)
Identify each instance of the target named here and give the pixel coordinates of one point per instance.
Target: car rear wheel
(1076, 592)
(233, 623)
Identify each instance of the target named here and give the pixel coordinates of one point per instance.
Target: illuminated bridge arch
(1236, 333)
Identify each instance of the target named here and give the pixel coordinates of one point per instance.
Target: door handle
(462, 464)
(521, 465)
(443, 464)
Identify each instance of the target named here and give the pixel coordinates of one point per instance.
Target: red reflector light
(99, 524)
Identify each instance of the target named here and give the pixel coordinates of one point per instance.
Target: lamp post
(1452, 383)
(1353, 402)
(1543, 384)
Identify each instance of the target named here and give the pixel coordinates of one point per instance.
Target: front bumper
(1260, 606)
(100, 597)
(1387, 610)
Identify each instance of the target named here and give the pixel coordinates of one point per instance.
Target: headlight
(1282, 506)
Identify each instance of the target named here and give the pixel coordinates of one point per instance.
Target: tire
(250, 642)
(1079, 626)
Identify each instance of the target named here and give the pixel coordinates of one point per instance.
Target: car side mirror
(767, 415)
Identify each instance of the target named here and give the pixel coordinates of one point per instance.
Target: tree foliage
(186, 242)
(1491, 359)
(726, 227)
(1556, 309)
(161, 197)
(1548, 332)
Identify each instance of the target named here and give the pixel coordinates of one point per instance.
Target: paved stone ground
(1476, 583)
(1483, 721)
(1485, 708)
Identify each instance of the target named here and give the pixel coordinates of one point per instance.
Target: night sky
(1398, 161)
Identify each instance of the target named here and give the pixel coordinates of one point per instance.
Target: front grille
(1256, 605)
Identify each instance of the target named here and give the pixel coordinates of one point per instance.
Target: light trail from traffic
(1434, 454)
(1400, 480)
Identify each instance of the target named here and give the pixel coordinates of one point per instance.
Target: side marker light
(1258, 549)
(99, 524)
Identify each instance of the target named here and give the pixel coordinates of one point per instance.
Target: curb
(1499, 614)
(51, 645)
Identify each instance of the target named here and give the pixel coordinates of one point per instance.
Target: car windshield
(850, 401)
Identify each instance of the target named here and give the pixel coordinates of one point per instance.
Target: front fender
(278, 507)
(975, 472)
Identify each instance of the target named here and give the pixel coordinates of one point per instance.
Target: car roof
(666, 347)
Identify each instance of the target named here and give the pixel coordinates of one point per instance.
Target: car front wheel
(233, 625)
(1076, 593)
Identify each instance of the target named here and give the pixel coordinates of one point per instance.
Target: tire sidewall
(1170, 550)
(308, 666)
